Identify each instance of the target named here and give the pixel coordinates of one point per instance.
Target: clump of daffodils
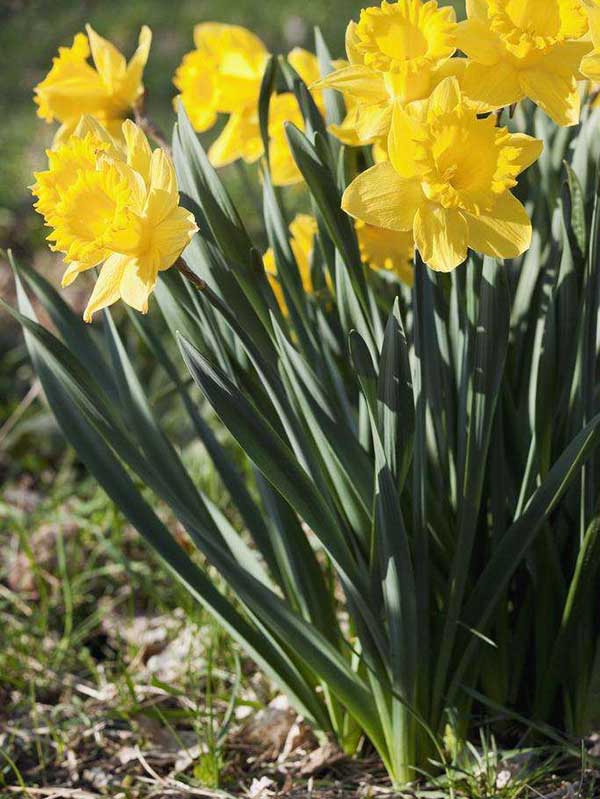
(113, 204)
(223, 76)
(423, 96)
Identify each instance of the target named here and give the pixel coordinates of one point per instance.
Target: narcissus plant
(413, 539)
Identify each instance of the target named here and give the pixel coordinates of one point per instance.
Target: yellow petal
(593, 14)
(239, 60)
(353, 53)
(240, 138)
(162, 173)
(284, 170)
(445, 97)
(402, 142)
(73, 270)
(138, 60)
(555, 94)
(504, 232)
(196, 80)
(306, 64)
(564, 60)
(139, 152)
(110, 63)
(138, 282)
(441, 237)
(491, 87)
(477, 9)
(358, 81)
(590, 66)
(382, 198)
(107, 289)
(475, 38)
(528, 150)
(373, 122)
(213, 36)
(171, 236)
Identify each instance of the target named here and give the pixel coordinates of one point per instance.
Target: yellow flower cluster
(108, 91)
(419, 87)
(223, 76)
(379, 249)
(113, 202)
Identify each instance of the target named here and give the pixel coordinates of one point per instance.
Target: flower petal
(137, 62)
(528, 150)
(475, 38)
(171, 237)
(590, 66)
(107, 289)
(504, 232)
(353, 53)
(403, 142)
(139, 152)
(382, 198)
(555, 94)
(359, 81)
(445, 97)
(240, 138)
(73, 270)
(110, 63)
(138, 282)
(441, 237)
(491, 87)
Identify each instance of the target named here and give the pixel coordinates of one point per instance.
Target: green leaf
(396, 417)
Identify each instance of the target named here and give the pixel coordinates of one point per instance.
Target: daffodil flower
(116, 206)
(448, 181)
(590, 64)
(108, 91)
(397, 53)
(303, 229)
(387, 250)
(223, 76)
(525, 48)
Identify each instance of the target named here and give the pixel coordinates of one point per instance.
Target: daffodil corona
(108, 91)
(116, 206)
(448, 181)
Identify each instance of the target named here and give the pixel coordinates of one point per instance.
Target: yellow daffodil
(241, 138)
(379, 249)
(107, 91)
(116, 205)
(397, 53)
(303, 229)
(448, 180)
(223, 76)
(590, 65)
(389, 250)
(524, 48)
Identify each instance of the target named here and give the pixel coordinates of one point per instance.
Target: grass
(115, 683)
